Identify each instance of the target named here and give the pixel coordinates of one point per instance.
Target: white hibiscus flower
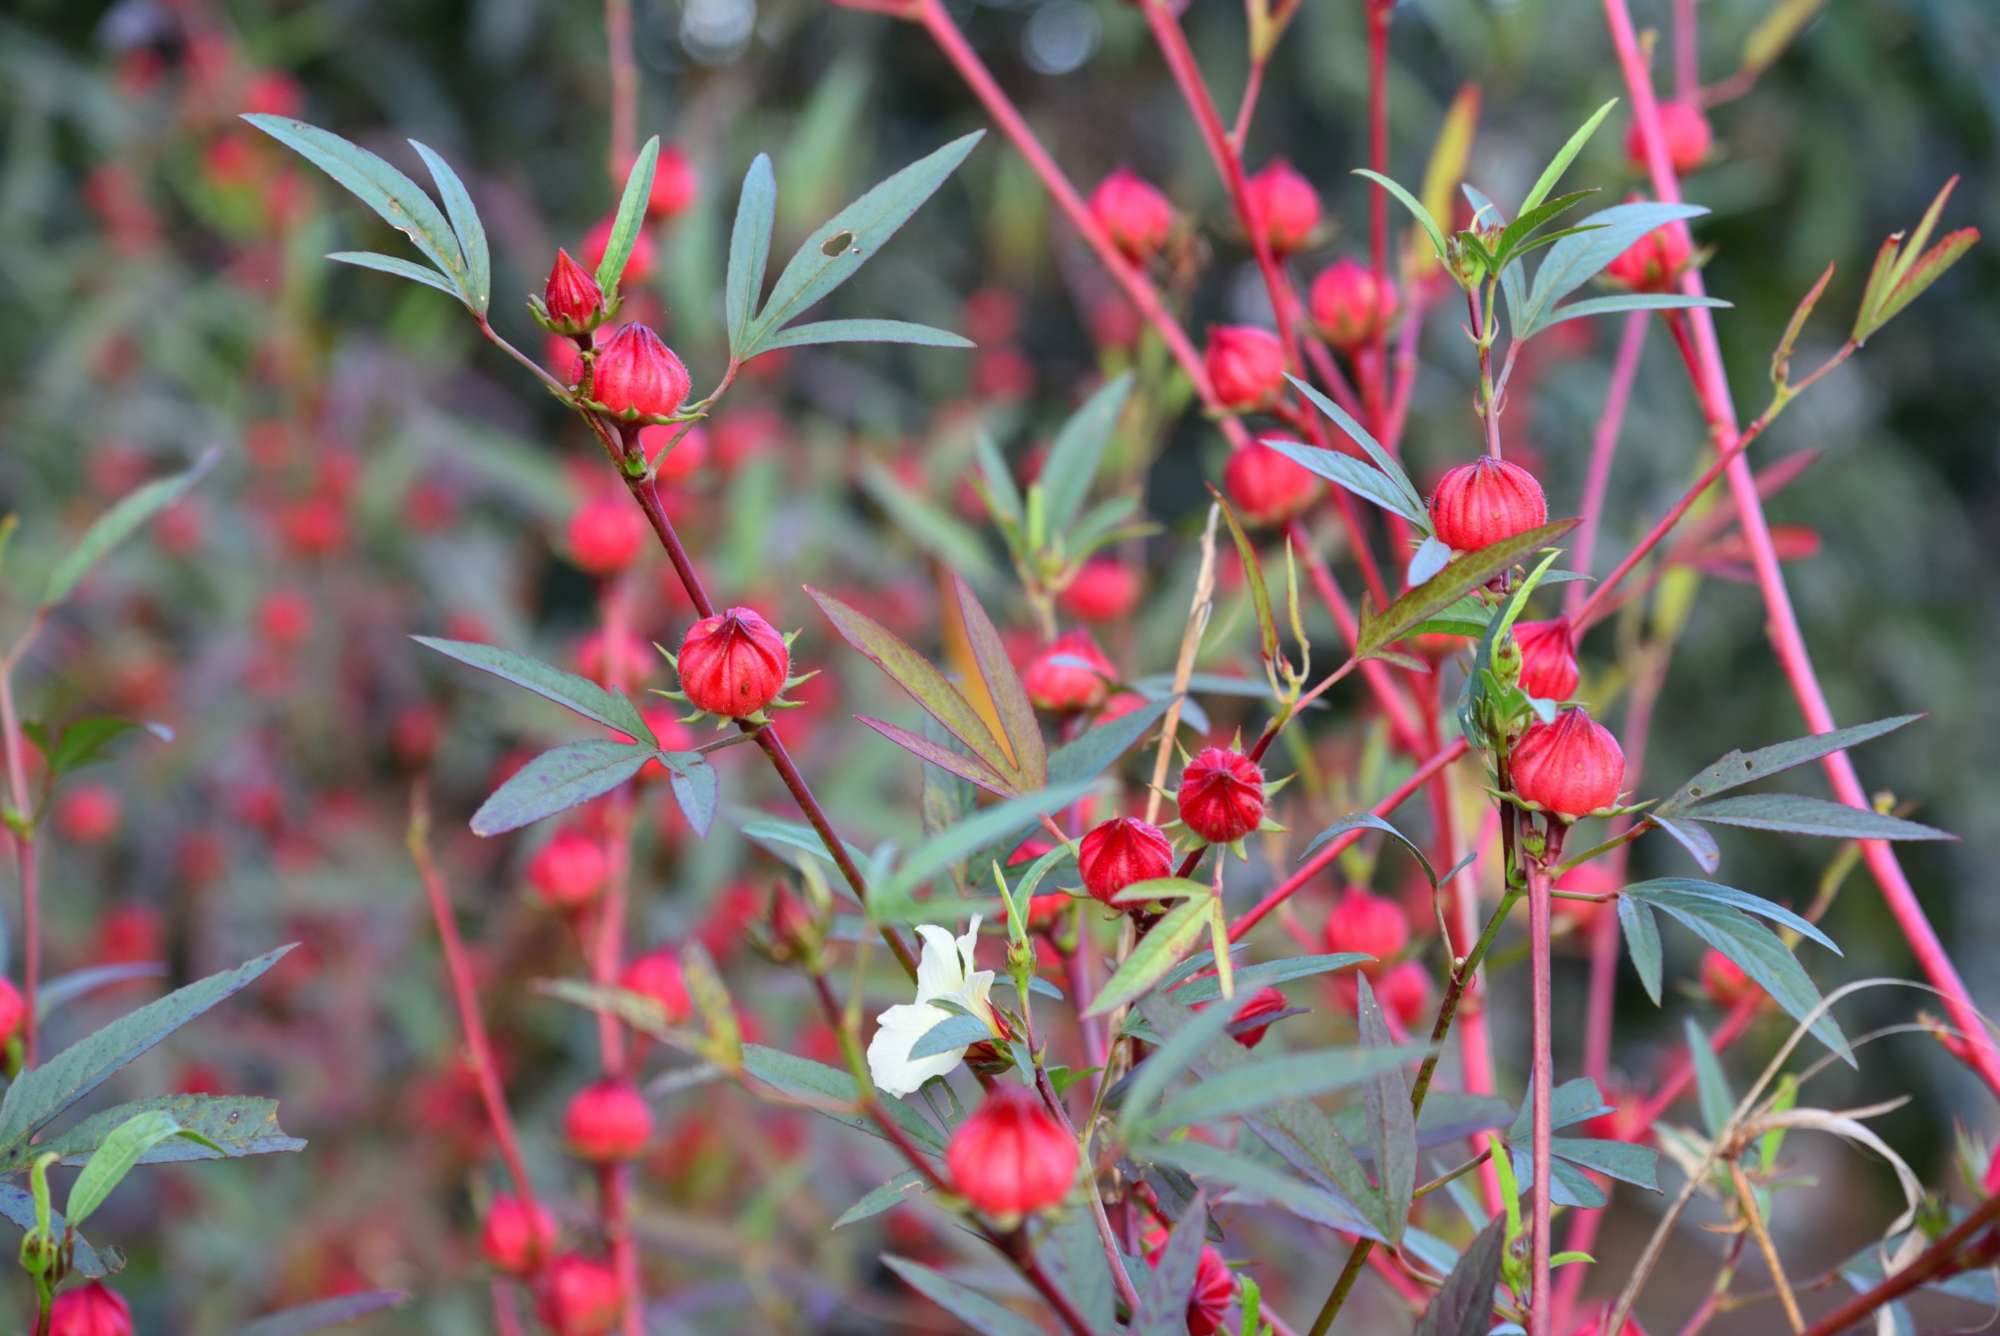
(944, 971)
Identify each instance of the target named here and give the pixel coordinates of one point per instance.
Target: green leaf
(631, 216)
(1253, 576)
(1662, 890)
(1564, 157)
(1642, 941)
(1355, 432)
(979, 1313)
(1515, 233)
(1739, 768)
(401, 268)
(1798, 814)
(1701, 845)
(749, 249)
(1576, 259)
(642, 1013)
(1761, 955)
(924, 523)
(904, 1187)
(696, 788)
(950, 1035)
(117, 1155)
(559, 779)
(863, 331)
(85, 741)
(849, 239)
(398, 200)
(1267, 1079)
(1575, 1100)
(1188, 1035)
(1001, 491)
(1252, 977)
(324, 1314)
(1626, 301)
(19, 1207)
(1157, 952)
(989, 825)
(1711, 1086)
(968, 768)
(1088, 755)
(1927, 271)
(1078, 450)
(1369, 821)
(465, 225)
(1365, 481)
(820, 1083)
(230, 1126)
(1020, 729)
(1416, 208)
(66, 988)
(1251, 1178)
(1465, 573)
(43, 1092)
(580, 694)
(1464, 1304)
(1391, 1123)
(117, 524)
(919, 678)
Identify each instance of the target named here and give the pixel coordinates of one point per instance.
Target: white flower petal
(940, 972)
(899, 1028)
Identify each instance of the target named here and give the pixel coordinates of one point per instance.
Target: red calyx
(1222, 795)
(1266, 1001)
(90, 1310)
(1138, 217)
(1285, 206)
(1265, 486)
(1104, 589)
(1548, 658)
(605, 534)
(1012, 1157)
(517, 1236)
(734, 663)
(657, 975)
(568, 871)
(1481, 503)
(1686, 131)
(638, 376)
(574, 301)
(579, 1296)
(1724, 980)
(1246, 365)
(1070, 673)
(1122, 852)
(607, 1121)
(1372, 924)
(1571, 767)
(1214, 1287)
(1348, 306)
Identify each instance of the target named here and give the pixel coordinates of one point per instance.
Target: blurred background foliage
(385, 473)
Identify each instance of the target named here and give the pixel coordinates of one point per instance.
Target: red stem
(1603, 446)
(27, 859)
(1541, 1026)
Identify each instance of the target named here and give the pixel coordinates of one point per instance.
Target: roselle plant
(1069, 1008)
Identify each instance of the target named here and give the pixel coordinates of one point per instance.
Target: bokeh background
(384, 473)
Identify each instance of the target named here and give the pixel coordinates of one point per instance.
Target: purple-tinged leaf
(1392, 1125)
(1464, 1304)
(1798, 814)
(979, 1313)
(1928, 270)
(1020, 729)
(559, 779)
(1167, 1285)
(1739, 767)
(1781, 356)
(968, 768)
(1759, 953)
(1660, 890)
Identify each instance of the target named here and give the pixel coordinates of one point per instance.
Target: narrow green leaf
(1572, 1102)
(18, 1206)
(1090, 754)
(1927, 270)
(917, 677)
(117, 524)
(1781, 356)
(1077, 451)
(1465, 573)
(989, 825)
(66, 988)
(1575, 260)
(1001, 490)
(1415, 206)
(697, 789)
(1761, 955)
(1564, 157)
(1155, 954)
(401, 268)
(1022, 730)
(1267, 1079)
(631, 216)
(580, 694)
(1188, 1034)
(43, 1092)
(823, 1084)
(1701, 845)
(904, 1187)
(324, 1314)
(1627, 301)
(1464, 1304)
(1253, 576)
(950, 1035)
(86, 741)
(1798, 814)
(397, 199)
(1369, 821)
(749, 249)
(862, 331)
(1515, 233)
(230, 1126)
(1739, 768)
(1351, 427)
(465, 225)
(1659, 889)
(1365, 481)
(1392, 1125)
(1252, 1178)
(979, 1313)
(118, 1155)
(968, 768)
(926, 524)
(559, 779)
(1642, 941)
(1711, 1086)
(1249, 977)
(849, 239)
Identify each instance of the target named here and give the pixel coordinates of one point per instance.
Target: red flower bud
(1285, 206)
(1571, 767)
(605, 533)
(1214, 1287)
(1370, 924)
(638, 376)
(1137, 217)
(572, 296)
(568, 871)
(734, 664)
(1266, 1001)
(1724, 980)
(1481, 503)
(12, 1009)
(638, 265)
(1245, 364)
(517, 1236)
(1222, 795)
(674, 184)
(1991, 1179)
(1587, 879)
(657, 975)
(1122, 852)
(1012, 1156)
(90, 1310)
(1548, 658)
(1104, 589)
(579, 1297)
(88, 813)
(1403, 993)
(1348, 307)
(284, 618)
(1654, 262)
(1070, 673)
(1687, 134)
(1265, 486)
(607, 1121)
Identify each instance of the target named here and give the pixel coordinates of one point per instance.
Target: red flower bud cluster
(571, 297)
(734, 664)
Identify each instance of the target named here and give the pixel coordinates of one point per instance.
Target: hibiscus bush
(1155, 723)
